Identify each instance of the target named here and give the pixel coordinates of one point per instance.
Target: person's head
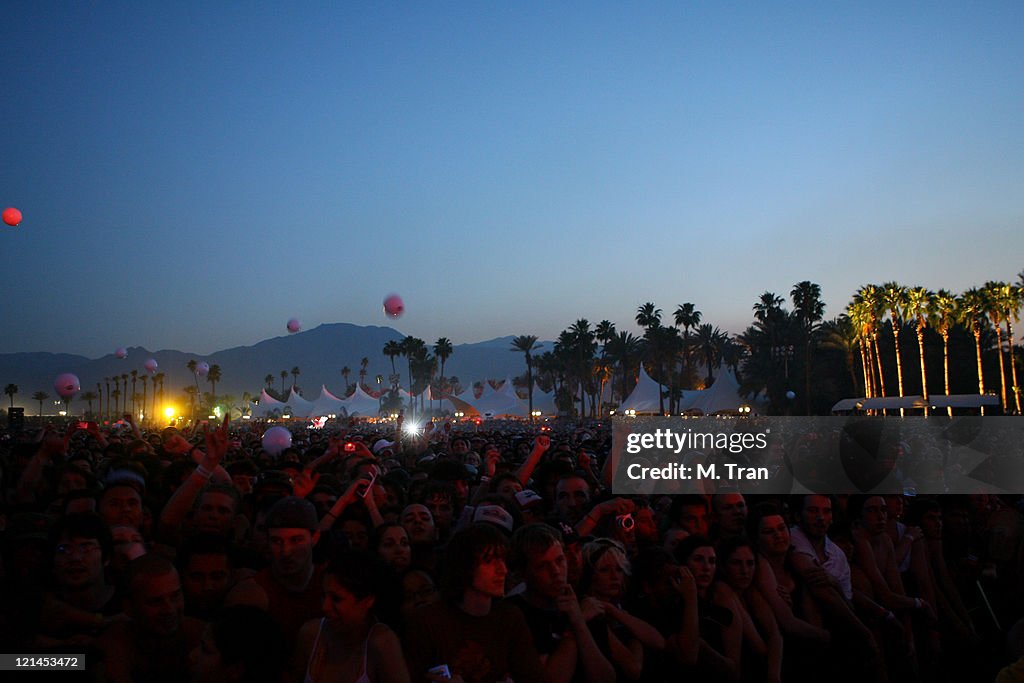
(814, 515)
(538, 557)
(419, 524)
(418, 590)
(243, 644)
(730, 513)
(871, 512)
(128, 544)
(356, 528)
(769, 530)
(215, 509)
(690, 513)
(605, 568)
(82, 546)
(672, 539)
(475, 562)
(121, 504)
(440, 499)
(154, 600)
(698, 554)
(572, 498)
(352, 582)
(927, 514)
(391, 543)
(507, 485)
(737, 562)
(205, 567)
(292, 530)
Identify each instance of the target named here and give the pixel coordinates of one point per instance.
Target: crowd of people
(480, 553)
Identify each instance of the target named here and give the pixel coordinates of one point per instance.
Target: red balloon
(394, 306)
(12, 216)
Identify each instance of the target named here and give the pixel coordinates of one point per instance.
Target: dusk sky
(192, 175)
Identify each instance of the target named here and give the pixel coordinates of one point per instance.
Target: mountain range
(319, 353)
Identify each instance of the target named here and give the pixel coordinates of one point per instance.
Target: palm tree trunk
(981, 377)
(865, 368)
(878, 360)
(1002, 368)
(1013, 366)
(899, 361)
(924, 377)
(945, 367)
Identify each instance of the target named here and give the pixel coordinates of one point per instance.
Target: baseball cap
(494, 514)
(292, 513)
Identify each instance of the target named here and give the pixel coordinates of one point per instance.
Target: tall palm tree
(135, 377)
(709, 341)
(860, 319)
(295, 376)
(363, 364)
(584, 346)
(213, 376)
(1013, 299)
(11, 390)
(768, 305)
(145, 394)
(688, 317)
(89, 397)
(158, 378)
(40, 396)
(841, 334)
(648, 315)
(971, 314)
(919, 302)
(284, 377)
(870, 296)
(269, 381)
(393, 349)
(624, 349)
(443, 350)
(894, 298)
(526, 344)
(943, 315)
(994, 309)
(604, 331)
(808, 309)
(106, 382)
(345, 372)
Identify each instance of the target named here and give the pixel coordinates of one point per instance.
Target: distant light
(169, 411)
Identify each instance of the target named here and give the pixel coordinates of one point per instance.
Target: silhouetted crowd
(480, 553)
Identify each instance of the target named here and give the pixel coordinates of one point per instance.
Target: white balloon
(121, 352)
(151, 365)
(294, 325)
(790, 395)
(67, 385)
(276, 439)
(202, 368)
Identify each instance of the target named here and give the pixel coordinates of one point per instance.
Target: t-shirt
(835, 559)
(481, 649)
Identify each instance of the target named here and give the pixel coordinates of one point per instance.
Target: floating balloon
(12, 216)
(151, 365)
(121, 352)
(67, 385)
(294, 325)
(276, 439)
(202, 368)
(394, 306)
(790, 395)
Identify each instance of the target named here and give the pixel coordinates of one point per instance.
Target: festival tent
(327, 404)
(721, 397)
(268, 406)
(296, 406)
(644, 397)
(361, 403)
(544, 401)
(964, 400)
(916, 402)
(493, 403)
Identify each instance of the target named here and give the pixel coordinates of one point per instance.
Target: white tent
(327, 404)
(644, 397)
(721, 397)
(296, 406)
(361, 403)
(268, 406)
(544, 401)
(492, 402)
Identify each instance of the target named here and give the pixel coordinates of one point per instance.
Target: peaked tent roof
(326, 404)
(361, 403)
(300, 407)
(544, 401)
(722, 396)
(644, 397)
(493, 402)
(268, 406)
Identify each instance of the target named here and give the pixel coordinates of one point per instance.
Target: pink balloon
(294, 325)
(276, 439)
(67, 385)
(121, 352)
(393, 306)
(202, 368)
(151, 365)
(12, 216)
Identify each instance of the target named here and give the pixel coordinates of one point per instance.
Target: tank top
(363, 677)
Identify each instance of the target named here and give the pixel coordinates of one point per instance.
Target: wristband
(203, 472)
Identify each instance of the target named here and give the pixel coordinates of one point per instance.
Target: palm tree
(808, 310)
(870, 297)
(971, 314)
(647, 315)
(145, 381)
(158, 378)
(994, 309)
(11, 390)
(269, 381)
(624, 349)
(943, 314)
(1013, 299)
(89, 397)
(295, 375)
(213, 376)
(526, 343)
(40, 396)
(443, 350)
(106, 382)
(841, 334)
(919, 302)
(393, 349)
(860, 319)
(768, 306)
(688, 317)
(894, 299)
(284, 377)
(363, 364)
(345, 372)
(710, 340)
(135, 377)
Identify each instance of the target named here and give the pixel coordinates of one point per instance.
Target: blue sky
(192, 175)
